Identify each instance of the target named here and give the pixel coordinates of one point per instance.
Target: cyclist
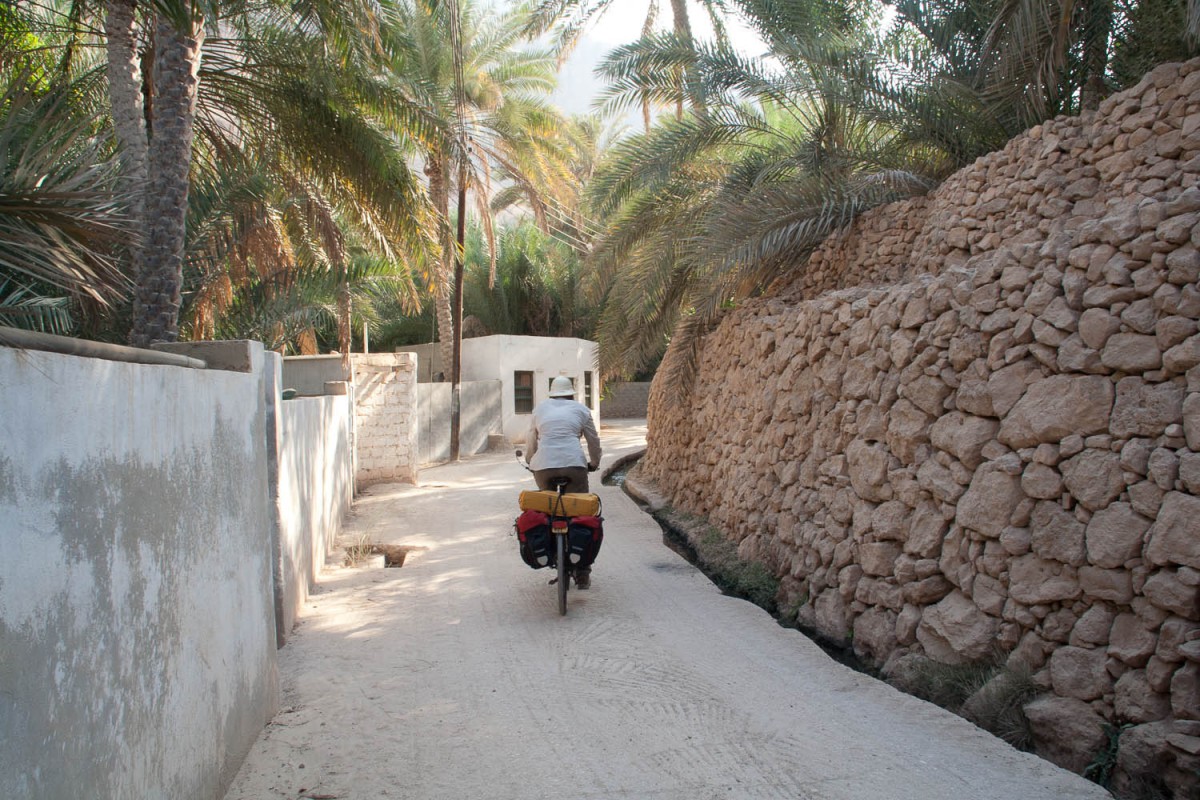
(553, 445)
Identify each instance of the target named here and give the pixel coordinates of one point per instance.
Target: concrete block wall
(137, 625)
(627, 400)
(385, 418)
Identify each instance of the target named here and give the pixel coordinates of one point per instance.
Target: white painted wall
(546, 358)
(316, 487)
(499, 357)
(479, 418)
(137, 626)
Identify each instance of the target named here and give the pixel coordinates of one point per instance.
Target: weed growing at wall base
(1101, 769)
(985, 692)
(359, 550)
(718, 557)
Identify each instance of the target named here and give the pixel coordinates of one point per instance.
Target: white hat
(562, 387)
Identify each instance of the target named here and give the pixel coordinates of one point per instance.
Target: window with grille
(523, 392)
(587, 390)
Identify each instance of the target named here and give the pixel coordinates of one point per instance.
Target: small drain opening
(394, 554)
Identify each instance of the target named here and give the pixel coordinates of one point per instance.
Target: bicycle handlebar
(518, 454)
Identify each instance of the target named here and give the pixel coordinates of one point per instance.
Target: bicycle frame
(559, 529)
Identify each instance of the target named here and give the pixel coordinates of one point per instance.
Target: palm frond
(60, 218)
(22, 307)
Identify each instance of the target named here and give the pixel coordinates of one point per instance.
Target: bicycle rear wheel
(564, 577)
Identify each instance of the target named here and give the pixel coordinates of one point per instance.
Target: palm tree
(299, 94)
(60, 216)
(1041, 59)
(178, 40)
(508, 132)
(538, 288)
(1152, 32)
(710, 209)
(569, 18)
(300, 310)
(300, 145)
(706, 211)
(124, 73)
(303, 164)
(253, 33)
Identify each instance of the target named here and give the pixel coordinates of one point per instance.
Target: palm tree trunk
(688, 82)
(345, 340)
(647, 29)
(160, 273)
(457, 309)
(125, 96)
(1098, 21)
(439, 195)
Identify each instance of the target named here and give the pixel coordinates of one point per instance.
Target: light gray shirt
(554, 435)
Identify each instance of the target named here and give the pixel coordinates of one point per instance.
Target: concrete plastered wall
(385, 423)
(309, 374)
(429, 360)
(137, 629)
(479, 406)
(316, 487)
(499, 357)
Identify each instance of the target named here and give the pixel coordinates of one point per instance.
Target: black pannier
(584, 536)
(537, 543)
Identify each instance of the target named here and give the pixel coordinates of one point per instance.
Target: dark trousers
(578, 477)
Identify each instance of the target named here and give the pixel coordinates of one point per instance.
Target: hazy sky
(621, 24)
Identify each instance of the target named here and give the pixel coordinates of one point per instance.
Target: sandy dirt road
(454, 677)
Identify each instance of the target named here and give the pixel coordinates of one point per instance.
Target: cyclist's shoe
(583, 578)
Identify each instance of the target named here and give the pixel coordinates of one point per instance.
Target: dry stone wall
(973, 422)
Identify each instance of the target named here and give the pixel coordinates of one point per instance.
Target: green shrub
(1101, 768)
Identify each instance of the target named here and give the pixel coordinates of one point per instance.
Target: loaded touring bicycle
(560, 530)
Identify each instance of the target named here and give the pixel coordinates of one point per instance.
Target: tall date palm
(164, 143)
(501, 130)
(703, 211)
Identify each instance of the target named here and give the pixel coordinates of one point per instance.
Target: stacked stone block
(385, 418)
(972, 424)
